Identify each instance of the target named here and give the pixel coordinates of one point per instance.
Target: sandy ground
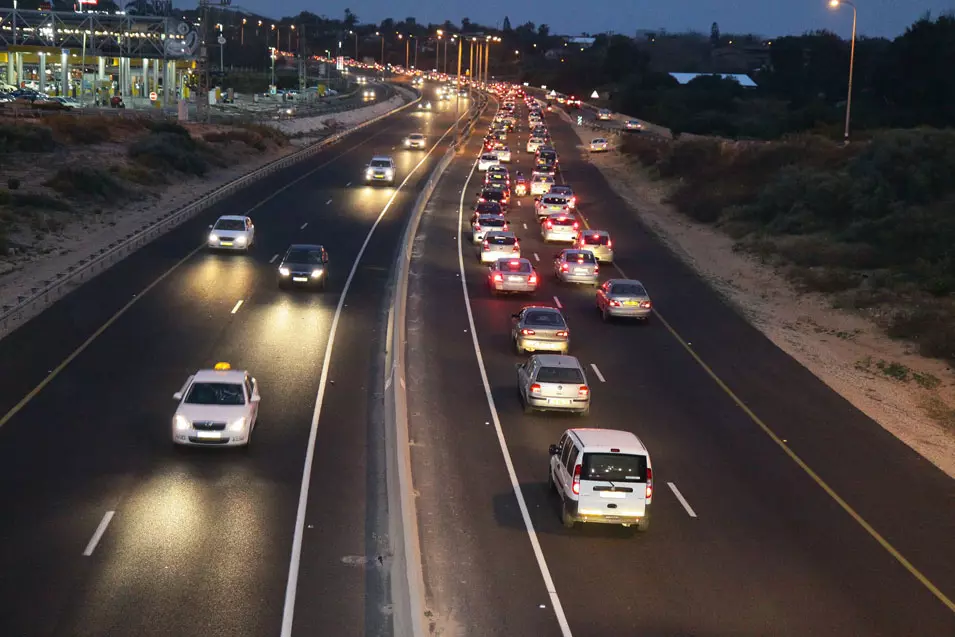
(846, 351)
(50, 253)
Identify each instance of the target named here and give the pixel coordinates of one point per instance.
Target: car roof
(559, 360)
(602, 233)
(220, 376)
(558, 188)
(500, 233)
(597, 440)
(509, 259)
(570, 251)
(381, 158)
(615, 281)
(231, 218)
(305, 246)
(491, 215)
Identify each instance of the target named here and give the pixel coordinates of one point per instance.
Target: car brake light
(536, 388)
(498, 277)
(549, 224)
(614, 303)
(596, 268)
(645, 304)
(609, 243)
(583, 391)
(527, 332)
(576, 225)
(576, 484)
(563, 333)
(516, 248)
(477, 226)
(649, 484)
(487, 246)
(532, 279)
(564, 267)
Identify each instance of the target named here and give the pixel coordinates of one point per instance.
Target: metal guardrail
(64, 282)
(408, 600)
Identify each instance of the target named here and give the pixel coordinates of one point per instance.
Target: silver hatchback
(577, 266)
(512, 275)
(549, 382)
(624, 298)
(598, 242)
(499, 245)
(559, 227)
(539, 328)
(482, 224)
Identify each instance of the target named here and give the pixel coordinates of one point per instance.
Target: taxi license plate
(558, 401)
(226, 243)
(210, 435)
(300, 279)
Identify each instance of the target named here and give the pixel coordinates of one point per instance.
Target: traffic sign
(580, 120)
(221, 39)
(595, 95)
(154, 96)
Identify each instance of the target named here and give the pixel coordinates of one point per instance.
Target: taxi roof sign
(223, 367)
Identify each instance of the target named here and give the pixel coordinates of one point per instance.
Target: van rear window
(614, 467)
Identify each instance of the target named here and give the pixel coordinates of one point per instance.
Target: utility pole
(203, 112)
(457, 103)
(471, 68)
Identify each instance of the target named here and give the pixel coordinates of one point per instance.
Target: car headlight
(241, 239)
(369, 173)
(213, 237)
(237, 425)
(317, 272)
(407, 142)
(181, 422)
(284, 271)
(389, 173)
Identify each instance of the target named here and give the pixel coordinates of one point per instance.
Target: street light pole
(852, 59)
(457, 103)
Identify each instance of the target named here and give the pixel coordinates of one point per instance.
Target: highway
(779, 509)
(110, 530)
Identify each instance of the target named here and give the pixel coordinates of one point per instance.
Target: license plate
(300, 279)
(558, 401)
(632, 303)
(226, 243)
(580, 270)
(379, 176)
(210, 435)
(613, 494)
(516, 279)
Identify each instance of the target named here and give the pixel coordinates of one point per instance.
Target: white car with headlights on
(368, 94)
(231, 232)
(380, 170)
(599, 145)
(217, 407)
(415, 140)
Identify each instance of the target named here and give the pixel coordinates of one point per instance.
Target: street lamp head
(834, 3)
(292, 27)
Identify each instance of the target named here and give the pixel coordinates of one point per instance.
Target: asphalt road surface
(744, 540)
(200, 540)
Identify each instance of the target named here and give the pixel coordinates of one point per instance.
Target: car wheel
(565, 517)
(550, 480)
(517, 346)
(644, 524)
(585, 412)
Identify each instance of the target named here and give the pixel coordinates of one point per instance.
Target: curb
(12, 317)
(407, 579)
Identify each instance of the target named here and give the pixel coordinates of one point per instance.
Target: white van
(602, 476)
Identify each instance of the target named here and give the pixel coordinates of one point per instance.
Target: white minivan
(602, 476)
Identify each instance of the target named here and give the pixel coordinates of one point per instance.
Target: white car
(550, 204)
(559, 227)
(604, 115)
(487, 160)
(482, 224)
(499, 245)
(232, 232)
(217, 407)
(599, 145)
(503, 155)
(592, 469)
(540, 184)
(381, 169)
(368, 94)
(534, 143)
(567, 192)
(415, 140)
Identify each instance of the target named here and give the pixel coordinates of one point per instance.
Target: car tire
(585, 413)
(517, 346)
(644, 524)
(566, 519)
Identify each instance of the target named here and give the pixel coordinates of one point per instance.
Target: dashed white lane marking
(98, 533)
(597, 371)
(525, 226)
(238, 304)
(328, 202)
(679, 496)
(536, 258)
(303, 226)
(557, 301)
(348, 184)
(272, 260)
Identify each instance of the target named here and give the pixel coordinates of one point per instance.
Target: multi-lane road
(779, 508)
(106, 529)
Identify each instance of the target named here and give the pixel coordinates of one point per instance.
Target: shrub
(28, 200)
(26, 138)
(13, 183)
(91, 129)
(244, 136)
(166, 126)
(932, 328)
(82, 181)
(169, 151)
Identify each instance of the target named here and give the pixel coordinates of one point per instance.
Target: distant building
(579, 40)
(744, 80)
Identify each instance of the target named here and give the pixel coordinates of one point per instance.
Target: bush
(91, 129)
(28, 200)
(169, 151)
(26, 138)
(13, 183)
(243, 136)
(932, 328)
(85, 182)
(166, 126)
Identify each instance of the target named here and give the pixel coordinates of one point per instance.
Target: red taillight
(645, 304)
(482, 200)
(609, 243)
(564, 267)
(498, 277)
(597, 269)
(576, 484)
(535, 388)
(563, 333)
(583, 391)
(477, 226)
(487, 246)
(576, 225)
(527, 332)
(549, 224)
(649, 484)
(614, 303)
(516, 248)
(532, 279)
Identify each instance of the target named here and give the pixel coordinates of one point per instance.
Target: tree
(715, 35)
(465, 25)
(351, 20)
(507, 24)
(543, 31)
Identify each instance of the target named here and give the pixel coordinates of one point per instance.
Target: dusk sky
(766, 17)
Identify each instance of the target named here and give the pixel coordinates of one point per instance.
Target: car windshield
(599, 141)
(559, 375)
(304, 256)
(501, 240)
(215, 394)
(614, 467)
(230, 224)
(515, 266)
(580, 257)
(563, 191)
(416, 136)
(488, 157)
(544, 319)
(628, 289)
(596, 239)
(380, 163)
(543, 179)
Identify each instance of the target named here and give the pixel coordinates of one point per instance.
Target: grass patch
(27, 201)
(899, 372)
(85, 182)
(250, 139)
(26, 138)
(165, 149)
(941, 413)
(139, 174)
(83, 130)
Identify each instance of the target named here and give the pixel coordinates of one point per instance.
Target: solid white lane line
(272, 260)
(525, 226)
(328, 202)
(295, 560)
(98, 533)
(508, 462)
(536, 258)
(557, 301)
(303, 226)
(679, 496)
(597, 371)
(238, 304)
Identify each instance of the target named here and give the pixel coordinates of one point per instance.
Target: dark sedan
(305, 265)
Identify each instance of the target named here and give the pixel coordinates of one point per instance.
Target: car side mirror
(554, 450)
(177, 396)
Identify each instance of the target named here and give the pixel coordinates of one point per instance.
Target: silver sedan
(576, 266)
(512, 275)
(624, 298)
(559, 227)
(538, 328)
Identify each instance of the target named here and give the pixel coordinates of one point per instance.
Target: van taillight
(609, 243)
(649, 484)
(576, 485)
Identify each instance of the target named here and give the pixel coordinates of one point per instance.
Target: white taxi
(503, 154)
(217, 407)
(231, 232)
(487, 160)
(534, 143)
(541, 184)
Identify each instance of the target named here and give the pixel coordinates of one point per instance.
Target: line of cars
(601, 475)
